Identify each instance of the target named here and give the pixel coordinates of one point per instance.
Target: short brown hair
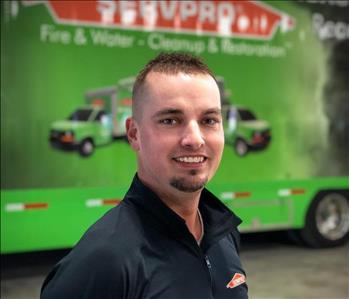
(170, 63)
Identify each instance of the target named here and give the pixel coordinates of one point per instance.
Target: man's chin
(188, 185)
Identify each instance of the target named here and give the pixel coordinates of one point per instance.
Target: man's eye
(168, 121)
(210, 121)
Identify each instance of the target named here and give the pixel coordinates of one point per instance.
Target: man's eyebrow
(168, 111)
(213, 111)
(174, 111)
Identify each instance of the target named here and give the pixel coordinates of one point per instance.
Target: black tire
(241, 147)
(293, 235)
(327, 220)
(86, 148)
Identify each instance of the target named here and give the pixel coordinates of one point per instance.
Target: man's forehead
(181, 93)
(179, 75)
(179, 84)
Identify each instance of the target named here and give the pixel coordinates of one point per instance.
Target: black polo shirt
(143, 249)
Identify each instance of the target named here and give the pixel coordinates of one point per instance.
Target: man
(169, 238)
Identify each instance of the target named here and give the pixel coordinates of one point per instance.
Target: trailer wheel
(86, 148)
(241, 147)
(327, 220)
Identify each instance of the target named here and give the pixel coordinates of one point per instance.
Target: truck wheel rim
(87, 147)
(332, 216)
(241, 148)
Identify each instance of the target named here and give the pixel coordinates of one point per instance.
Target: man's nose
(192, 136)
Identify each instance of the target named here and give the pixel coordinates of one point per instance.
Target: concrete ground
(281, 270)
(276, 269)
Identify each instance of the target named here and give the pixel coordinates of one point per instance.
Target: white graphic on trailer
(150, 15)
(243, 23)
(107, 10)
(226, 19)
(128, 13)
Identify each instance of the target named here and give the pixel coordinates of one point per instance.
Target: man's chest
(179, 273)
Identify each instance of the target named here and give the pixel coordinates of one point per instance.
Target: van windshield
(246, 115)
(80, 115)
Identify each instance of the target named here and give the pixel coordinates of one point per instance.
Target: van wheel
(86, 148)
(327, 220)
(241, 147)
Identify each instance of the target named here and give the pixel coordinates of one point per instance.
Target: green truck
(99, 122)
(244, 131)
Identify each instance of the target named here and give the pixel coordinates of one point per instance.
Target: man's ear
(132, 133)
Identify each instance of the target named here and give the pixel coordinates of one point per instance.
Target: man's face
(179, 135)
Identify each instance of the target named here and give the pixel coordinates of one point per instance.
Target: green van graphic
(244, 131)
(99, 122)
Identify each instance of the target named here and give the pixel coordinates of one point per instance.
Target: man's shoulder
(103, 252)
(116, 231)
(108, 247)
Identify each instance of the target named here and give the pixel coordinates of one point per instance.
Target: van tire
(241, 147)
(327, 220)
(86, 147)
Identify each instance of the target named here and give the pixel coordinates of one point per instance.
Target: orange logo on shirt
(236, 280)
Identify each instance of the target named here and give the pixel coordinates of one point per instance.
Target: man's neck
(186, 205)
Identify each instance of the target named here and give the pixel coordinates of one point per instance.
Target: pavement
(281, 270)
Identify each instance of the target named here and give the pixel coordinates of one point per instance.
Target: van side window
(100, 115)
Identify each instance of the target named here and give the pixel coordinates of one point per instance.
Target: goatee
(188, 185)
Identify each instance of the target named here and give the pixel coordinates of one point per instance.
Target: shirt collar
(218, 220)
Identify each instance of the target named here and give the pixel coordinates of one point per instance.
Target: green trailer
(283, 78)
